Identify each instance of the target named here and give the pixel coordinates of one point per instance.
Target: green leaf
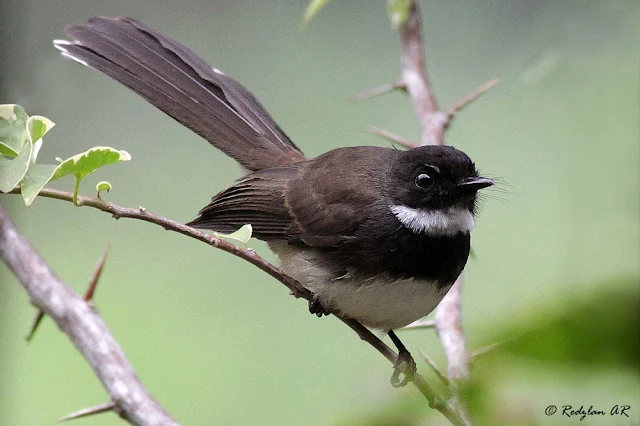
(83, 164)
(20, 142)
(37, 127)
(312, 10)
(398, 11)
(34, 180)
(243, 235)
(13, 170)
(13, 121)
(103, 185)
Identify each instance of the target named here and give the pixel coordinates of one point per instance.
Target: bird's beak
(474, 184)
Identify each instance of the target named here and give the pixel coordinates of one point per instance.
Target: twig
(451, 112)
(252, 257)
(141, 213)
(435, 368)
(482, 351)
(417, 325)
(86, 412)
(392, 137)
(97, 272)
(37, 319)
(415, 77)
(83, 325)
(438, 403)
(378, 91)
(433, 121)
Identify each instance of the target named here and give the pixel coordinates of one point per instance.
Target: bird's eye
(423, 181)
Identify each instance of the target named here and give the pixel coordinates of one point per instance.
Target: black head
(436, 177)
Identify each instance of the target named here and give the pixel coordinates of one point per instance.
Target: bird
(377, 234)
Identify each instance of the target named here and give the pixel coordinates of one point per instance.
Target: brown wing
(324, 202)
(337, 194)
(257, 199)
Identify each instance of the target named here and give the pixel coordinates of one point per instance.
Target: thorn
(392, 137)
(88, 295)
(378, 91)
(98, 409)
(451, 112)
(34, 325)
(485, 350)
(420, 324)
(435, 368)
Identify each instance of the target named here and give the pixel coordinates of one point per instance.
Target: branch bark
(449, 328)
(433, 122)
(83, 325)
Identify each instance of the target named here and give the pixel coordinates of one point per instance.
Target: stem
(76, 190)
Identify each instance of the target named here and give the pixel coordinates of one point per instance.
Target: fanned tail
(177, 81)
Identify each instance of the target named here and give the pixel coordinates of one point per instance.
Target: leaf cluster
(21, 138)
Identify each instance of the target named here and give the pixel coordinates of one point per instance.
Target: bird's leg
(315, 307)
(404, 365)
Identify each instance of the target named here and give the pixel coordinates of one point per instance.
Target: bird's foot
(405, 366)
(315, 307)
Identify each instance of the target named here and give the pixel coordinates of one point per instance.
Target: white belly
(376, 303)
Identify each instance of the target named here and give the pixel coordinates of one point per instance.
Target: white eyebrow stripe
(448, 221)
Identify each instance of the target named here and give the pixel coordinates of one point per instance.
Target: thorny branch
(83, 325)
(250, 256)
(88, 295)
(434, 123)
(396, 139)
(416, 80)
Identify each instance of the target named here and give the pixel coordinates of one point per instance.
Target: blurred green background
(557, 269)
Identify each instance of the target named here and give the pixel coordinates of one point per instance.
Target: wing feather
(350, 195)
(312, 203)
(258, 199)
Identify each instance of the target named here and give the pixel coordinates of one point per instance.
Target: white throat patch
(436, 222)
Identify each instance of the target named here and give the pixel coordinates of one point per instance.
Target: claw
(315, 307)
(405, 366)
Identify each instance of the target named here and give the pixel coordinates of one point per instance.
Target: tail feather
(239, 97)
(177, 81)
